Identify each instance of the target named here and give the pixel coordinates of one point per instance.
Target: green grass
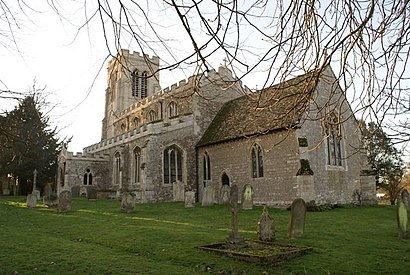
(161, 238)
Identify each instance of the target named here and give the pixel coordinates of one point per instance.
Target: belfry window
(172, 165)
(144, 85)
(257, 161)
(135, 83)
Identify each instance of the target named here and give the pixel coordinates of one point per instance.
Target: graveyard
(98, 237)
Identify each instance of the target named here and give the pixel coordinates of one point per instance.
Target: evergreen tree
(385, 160)
(28, 143)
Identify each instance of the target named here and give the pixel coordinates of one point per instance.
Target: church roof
(277, 107)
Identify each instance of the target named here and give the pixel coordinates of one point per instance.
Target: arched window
(172, 109)
(88, 177)
(152, 116)
(225, 179)
(257, 161)
(172, 165)
(117, 168)
(135, 83)
(207, 167)
(144, 85)
(334, 142)
(136, 122)
(122, 127)
(137, 165)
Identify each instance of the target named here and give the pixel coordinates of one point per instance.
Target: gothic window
(144, 85)
(136, 122)
(135, 83)
(117, 168)
(137, 165)
(257, 161)
(225, 179)
(334, 144)
(122, 127)
(172, 165)
(172, 109)
(152, 116)
(88, 177)
(207, 167)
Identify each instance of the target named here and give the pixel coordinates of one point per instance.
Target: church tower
(131, 77)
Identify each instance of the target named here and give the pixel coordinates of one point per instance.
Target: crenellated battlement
(127, 55)
(86, 156)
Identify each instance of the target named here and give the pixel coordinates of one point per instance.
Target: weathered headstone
(189, 199)
(247, 197)
(64, 202)
(75, 191)
(51, 200)
(406, 198)
(128, 202)
(37, 194)
(224, 198)
(91, 193)
(234, 239)
(178, 190)
(297, 219)
(31, 201)
(208, 197)
(266, 227)
(47, 190)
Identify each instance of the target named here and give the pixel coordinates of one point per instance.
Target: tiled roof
(278, 107)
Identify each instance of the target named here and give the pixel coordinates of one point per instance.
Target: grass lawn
(161, 238)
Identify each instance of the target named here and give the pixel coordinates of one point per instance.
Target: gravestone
(189, 199)
(91, 193)
(47, 190)
(247, 197)
(75, 191)
(178, 190)
(234, 239)
(64, 202)
(297, 219)
(31, 201)
(128, 202)
(402, 220)
(224, 198)
(266, 227)
(36, 193)
(51, 200)
(5, 188)
(208, 197)
(406, 198)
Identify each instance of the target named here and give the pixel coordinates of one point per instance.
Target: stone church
(298, 138)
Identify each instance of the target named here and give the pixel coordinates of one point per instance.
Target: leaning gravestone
(64, 202)
(91, 193)
(297, 219)
(31, 201)
(208, 197)
(403, 215)
(247, 197)
(128, 202)
(189, 199)
(178, 190)
(75, 191)
(224, 198)
(266, 227)
(406, 198)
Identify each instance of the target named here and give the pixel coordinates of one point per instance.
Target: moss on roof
(278, 107)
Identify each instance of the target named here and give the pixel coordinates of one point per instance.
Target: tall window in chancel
(172, 109)
(257, 161)
(88, 177)
(144, 85)
(117, 168)
(152, 116)
(207, 167)
(135, 83)
(172, 164)
(137, 165)
(334, 143)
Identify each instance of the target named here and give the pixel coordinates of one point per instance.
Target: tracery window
(334, 143)
(172, 165)
(257, 161)
(172, 109)
(88, 177)
(152, 116)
